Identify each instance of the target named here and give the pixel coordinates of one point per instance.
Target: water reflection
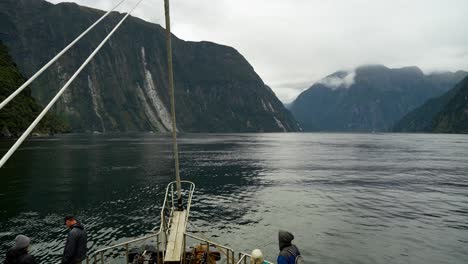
(349, 198)
(115, 184)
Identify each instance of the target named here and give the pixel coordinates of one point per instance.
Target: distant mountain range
(370, 98)
(20, 112)
(445, 114)
(125, 87)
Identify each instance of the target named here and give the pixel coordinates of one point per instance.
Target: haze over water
(348, 198)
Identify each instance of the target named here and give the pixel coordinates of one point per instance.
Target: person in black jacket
(288, 251)
(19, 254)
(75, 247)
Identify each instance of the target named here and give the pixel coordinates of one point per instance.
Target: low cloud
(336, 82)
(292, 41)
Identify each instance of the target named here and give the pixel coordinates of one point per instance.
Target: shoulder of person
(296, 249)
(284, 252)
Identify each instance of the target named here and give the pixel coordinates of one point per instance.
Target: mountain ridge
(125, 87)
(375, 98)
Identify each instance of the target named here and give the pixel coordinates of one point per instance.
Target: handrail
(124, 243)
(206, 240)
(242, 256)
(161, 234)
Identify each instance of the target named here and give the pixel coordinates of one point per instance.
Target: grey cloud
(297, 40)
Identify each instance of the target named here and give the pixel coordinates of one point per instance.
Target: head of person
(22, 242)
(70, 220)
(257, 257)
(284, 239)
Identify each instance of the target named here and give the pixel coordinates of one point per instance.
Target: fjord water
(348, 198)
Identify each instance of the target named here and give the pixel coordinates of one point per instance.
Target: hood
(284, 239)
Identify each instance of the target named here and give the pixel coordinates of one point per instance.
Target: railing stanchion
(208, 252)
(126, 253)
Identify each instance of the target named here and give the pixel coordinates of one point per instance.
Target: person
(18, 254)
(257, 257)
(288, 251)
(75, 247)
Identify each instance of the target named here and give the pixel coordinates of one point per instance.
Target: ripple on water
(348, 198)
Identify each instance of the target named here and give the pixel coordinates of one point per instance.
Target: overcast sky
(293, 43)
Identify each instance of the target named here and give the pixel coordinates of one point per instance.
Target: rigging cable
(39, 72)
(57, 96)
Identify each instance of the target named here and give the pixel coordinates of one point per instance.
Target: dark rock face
(420, 119)
(21, 111)
(453, 117)
(372, 98)
(125, 87)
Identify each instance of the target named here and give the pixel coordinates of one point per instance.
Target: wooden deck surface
(175, 241)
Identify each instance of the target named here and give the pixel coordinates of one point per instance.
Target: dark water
(348, 198)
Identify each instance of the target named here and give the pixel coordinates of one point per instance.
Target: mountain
(453, 118)
(370, 98)
(421, 118)
(21, 111)
(125, 87)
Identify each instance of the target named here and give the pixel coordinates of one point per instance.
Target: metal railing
(229, 253)
(244, 258)
(158, 238)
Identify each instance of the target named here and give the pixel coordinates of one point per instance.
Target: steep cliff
(421, 118)
(125, 87)
(370, 98)
(20, 112)
(453, 118)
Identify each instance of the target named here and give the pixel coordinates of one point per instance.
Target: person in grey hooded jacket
(75, 247)
(288, 251)
(19, 254)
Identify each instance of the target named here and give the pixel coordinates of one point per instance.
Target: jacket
(19, 256)
(288, 251)
(75, 247)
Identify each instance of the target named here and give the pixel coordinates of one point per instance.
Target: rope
(62, 90)
(171, 90)
(39, 72)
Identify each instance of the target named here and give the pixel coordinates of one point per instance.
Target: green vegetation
(125, 86)
(20, 112)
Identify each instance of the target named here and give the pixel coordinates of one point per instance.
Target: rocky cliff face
(22, 110)
(371, 98)
(125, 87)
(421, 118)
(453, 118)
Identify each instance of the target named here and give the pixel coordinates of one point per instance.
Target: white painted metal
(39, 72)
(57, 96)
